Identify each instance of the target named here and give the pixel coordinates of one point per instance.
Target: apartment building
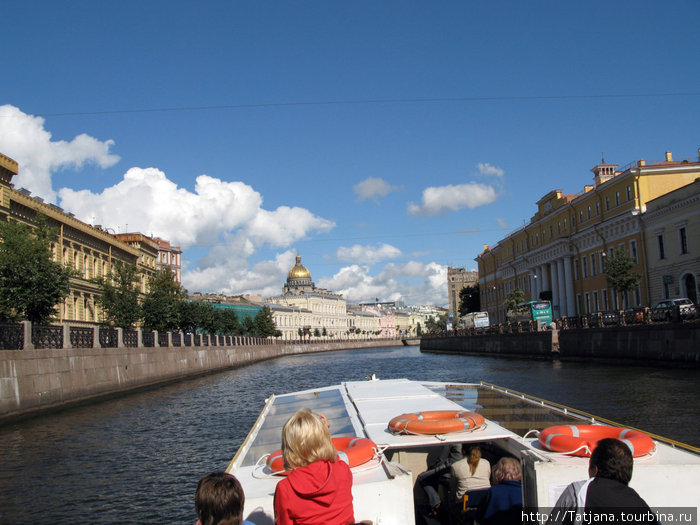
(560, 254)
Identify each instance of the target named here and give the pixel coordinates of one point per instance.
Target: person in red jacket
(318, 489)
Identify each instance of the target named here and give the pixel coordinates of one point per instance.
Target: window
(578, 304)
(660, 245)
(605, 299)
(589, 212)
(683, 237)
(588, 303)
(617, 198)
(637, 295)
(593, 265)
(580, 216)
(573, 220)
(597, 208)
(559, 227)
(633, 251)
(607, 203)
(551, 232)
(576, 277)
(629, 193)
(584, 266)
(564, 223)
(595, 301)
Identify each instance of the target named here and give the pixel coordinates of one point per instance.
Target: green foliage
(433, 325)
(119, 299)
(513, 298)
(161, 306)
(317, 332)
(618, 269)
(469, 300)
(419, 329)
(31, 284)
(228, 321)
(248, 326)
(264, 324)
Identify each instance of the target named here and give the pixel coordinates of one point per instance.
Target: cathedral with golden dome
(303, 310)
(298, 280)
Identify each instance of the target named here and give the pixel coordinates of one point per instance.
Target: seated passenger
(318, 489)
(219, 500)
(471, 473)
(438, 474)
(504, 501)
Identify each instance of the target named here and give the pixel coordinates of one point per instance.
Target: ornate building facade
(89, 250)
(560, 254)
(303, 310)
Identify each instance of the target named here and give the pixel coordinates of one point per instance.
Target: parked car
(606, 318)
(663, 310)
(634, 314)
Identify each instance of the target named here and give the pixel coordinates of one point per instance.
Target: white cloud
(413, 282)
(23, 138)
(217, 210)
(232, 276)
(367, 254)
(487, 169)
(441, 199)
(501, 222)
(372, 188)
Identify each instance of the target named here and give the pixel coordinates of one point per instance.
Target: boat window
(510, 411)
(327, 402)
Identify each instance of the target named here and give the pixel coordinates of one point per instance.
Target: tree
(619, 274)
(119, 300)
(228, 321)
(31, 284)
(248, 325)
(433, 325)
(161, 306)
(419, 330)
(513, 298)
(469, 300)
(264, 324)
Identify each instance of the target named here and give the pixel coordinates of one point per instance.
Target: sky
(381, 141)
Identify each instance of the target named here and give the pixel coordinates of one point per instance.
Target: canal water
(137, 458)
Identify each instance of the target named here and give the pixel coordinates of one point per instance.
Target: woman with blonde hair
(318, 489)
(470, 473)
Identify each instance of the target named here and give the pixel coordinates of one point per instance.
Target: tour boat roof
(364, 408)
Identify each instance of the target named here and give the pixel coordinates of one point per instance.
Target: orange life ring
(352, 450)
(580, 440)
(436, 422)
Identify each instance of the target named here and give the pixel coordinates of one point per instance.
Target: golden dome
(299, 271)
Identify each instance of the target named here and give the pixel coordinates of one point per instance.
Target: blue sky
(383, 141)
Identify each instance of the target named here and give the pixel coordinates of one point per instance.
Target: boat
(384, 488)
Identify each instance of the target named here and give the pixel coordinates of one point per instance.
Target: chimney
(641, 163)
(669, 157)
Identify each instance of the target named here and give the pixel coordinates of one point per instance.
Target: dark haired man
(610, 471)
(219, 500)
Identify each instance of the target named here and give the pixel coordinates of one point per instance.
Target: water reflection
(138, 458)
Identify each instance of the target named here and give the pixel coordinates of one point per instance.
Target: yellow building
(89, 250)
(560, 254)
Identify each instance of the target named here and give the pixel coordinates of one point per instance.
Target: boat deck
(512, 421)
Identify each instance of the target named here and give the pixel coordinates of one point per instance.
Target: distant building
(239, 304)
(672, 242)
(457, 280)
(560, 254)
(304, 308)
(170, 257)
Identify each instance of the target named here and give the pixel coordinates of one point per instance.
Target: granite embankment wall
(37, 380)
(672, 344)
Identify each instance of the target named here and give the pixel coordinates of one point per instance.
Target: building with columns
(306, 308)
(89, 250)
(560, 254)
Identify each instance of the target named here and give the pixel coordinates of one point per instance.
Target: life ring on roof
(352, 450)
(581, 440)
(436, 422)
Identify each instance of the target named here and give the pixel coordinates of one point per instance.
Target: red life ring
(352, 450)
(436, 422)
(580, 440)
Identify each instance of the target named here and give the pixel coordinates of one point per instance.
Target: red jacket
(316, 494)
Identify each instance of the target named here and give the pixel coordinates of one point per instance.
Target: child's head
(305, 439)
(219, 500)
